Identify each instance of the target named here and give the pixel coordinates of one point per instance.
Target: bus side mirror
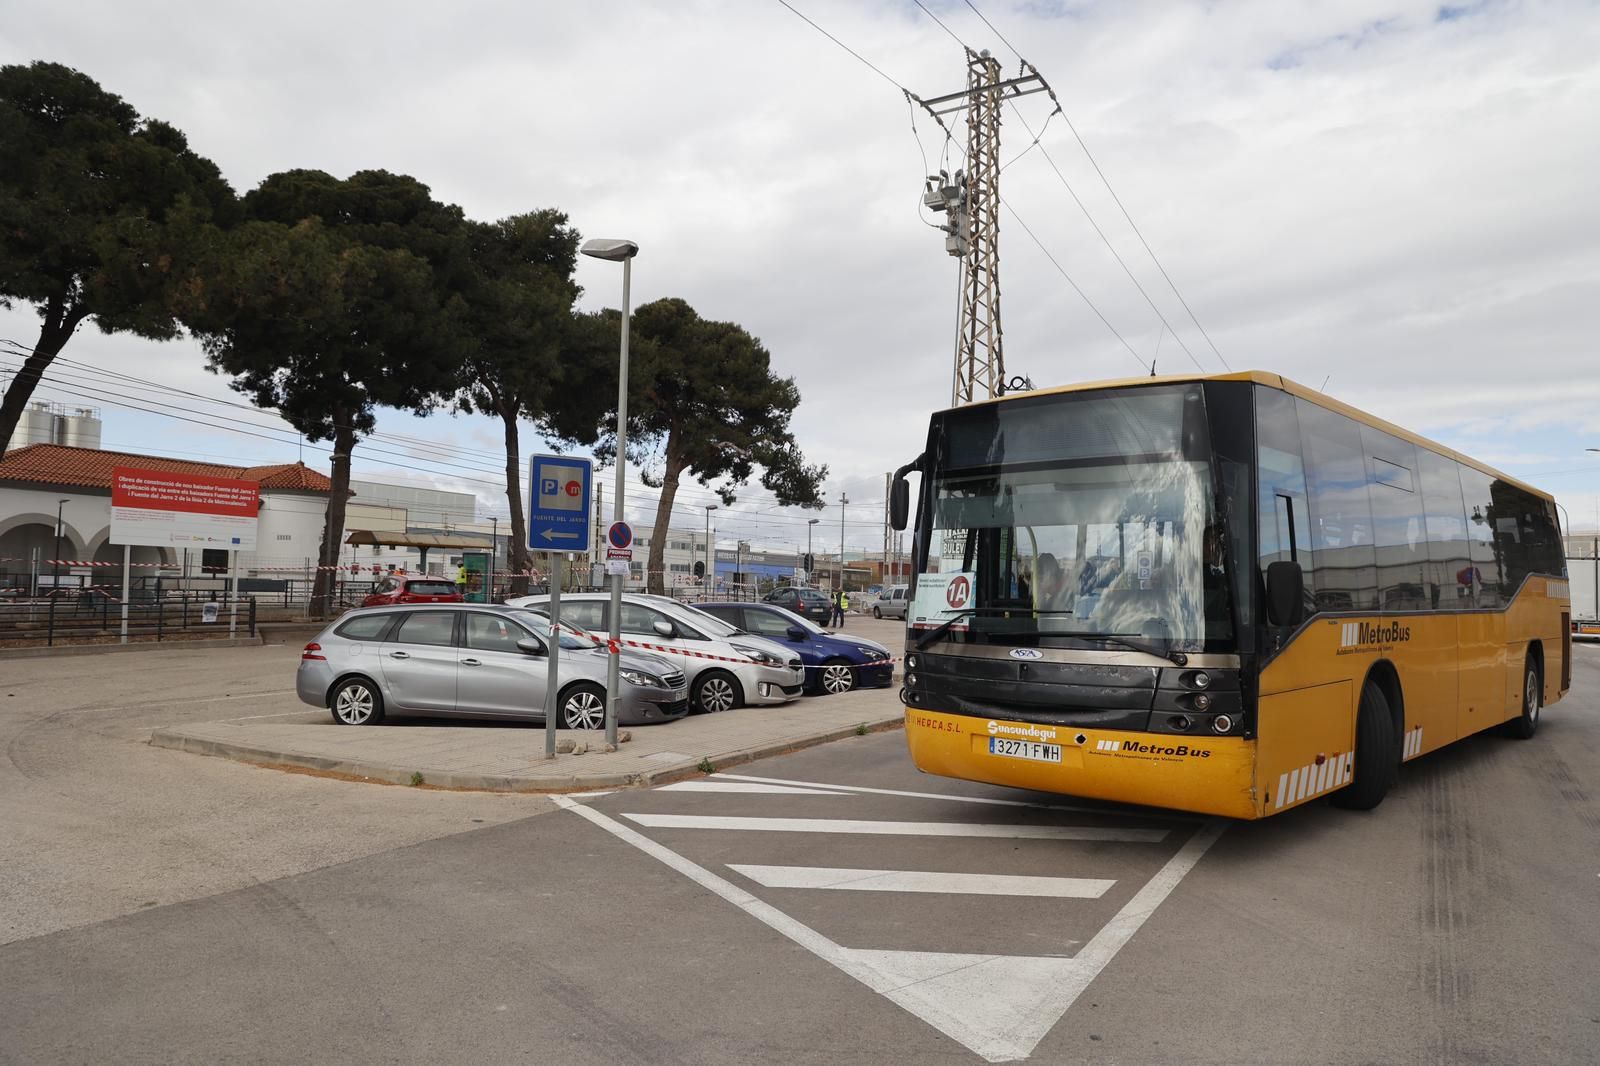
(899, 503)
(1285, 592)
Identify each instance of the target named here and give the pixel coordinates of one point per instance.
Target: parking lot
(830, 905)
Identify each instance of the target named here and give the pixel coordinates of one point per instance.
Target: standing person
(837, 618)
(461, 579)
(844, 605)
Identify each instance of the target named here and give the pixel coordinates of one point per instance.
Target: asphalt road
(835, 906)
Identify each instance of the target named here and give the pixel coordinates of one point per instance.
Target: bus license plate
(1025, 749)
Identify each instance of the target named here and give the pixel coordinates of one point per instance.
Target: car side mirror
(899, 503)
(1286, 585)
(529, 646)
(665, 629)
(796, 634)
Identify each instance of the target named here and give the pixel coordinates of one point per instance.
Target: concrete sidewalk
(510, 758)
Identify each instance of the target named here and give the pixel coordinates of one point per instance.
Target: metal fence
(85, 616)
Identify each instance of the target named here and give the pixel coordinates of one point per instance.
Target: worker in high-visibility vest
(461, 579)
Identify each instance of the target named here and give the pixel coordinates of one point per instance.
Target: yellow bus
(1225, 594)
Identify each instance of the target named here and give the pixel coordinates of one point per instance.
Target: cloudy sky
(1392, 197)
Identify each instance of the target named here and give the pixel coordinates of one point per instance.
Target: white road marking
(591, 795)
(910, 829)
(147, 704)
(998, 1006)
(746, 786)
(924, 881)
(1163, 815)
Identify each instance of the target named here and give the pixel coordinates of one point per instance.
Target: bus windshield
(1084, 519)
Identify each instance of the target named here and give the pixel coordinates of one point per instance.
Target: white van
(891, 603)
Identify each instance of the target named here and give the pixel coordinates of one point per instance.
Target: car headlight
(639, 677)
(873, 655)
(758, 656)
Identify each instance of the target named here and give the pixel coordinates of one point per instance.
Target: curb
(577, 782)
(112, 649)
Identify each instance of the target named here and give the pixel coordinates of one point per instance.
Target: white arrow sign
(551, 534)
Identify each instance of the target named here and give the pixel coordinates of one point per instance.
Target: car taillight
(311, 653)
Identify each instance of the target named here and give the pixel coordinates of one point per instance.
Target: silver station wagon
(482, 661)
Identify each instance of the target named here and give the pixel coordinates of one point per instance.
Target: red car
(392, 590)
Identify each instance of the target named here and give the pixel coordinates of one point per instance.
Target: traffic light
(810, 563)
(699, 568)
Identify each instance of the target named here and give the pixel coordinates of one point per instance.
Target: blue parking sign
(559, 503)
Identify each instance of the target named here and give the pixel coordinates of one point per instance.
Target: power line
(89, 392)
(1117, 199)
(859, 57)
(1063, 271)
(1103, 238)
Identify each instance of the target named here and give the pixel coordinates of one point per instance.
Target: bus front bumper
(1206, 775)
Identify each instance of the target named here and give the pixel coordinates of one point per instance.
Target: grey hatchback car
(474, 660)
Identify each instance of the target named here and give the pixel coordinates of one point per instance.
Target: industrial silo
(80, 429)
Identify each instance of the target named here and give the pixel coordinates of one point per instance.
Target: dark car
(833, 662)
(807, 603)
(393, 590)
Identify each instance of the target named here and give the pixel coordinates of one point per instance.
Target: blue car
(834, 662)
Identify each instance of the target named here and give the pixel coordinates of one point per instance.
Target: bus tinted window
(1399, 536)
(1525, 536)
(1341, 515)
(1449, 574)
(1485, 577)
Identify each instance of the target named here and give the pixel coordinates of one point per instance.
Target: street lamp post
(617, 251)
(494, 557)
(843, 499)
(811, 563)
(55, 580)
(710, 556)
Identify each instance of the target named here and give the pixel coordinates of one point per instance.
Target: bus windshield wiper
(944, 627)
(1177, 658)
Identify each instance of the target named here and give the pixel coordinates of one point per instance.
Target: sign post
(559, 521)
(127, 575)
(552, 685)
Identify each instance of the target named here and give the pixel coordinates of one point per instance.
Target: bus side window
(1341, 512)
(1399, 535)
(1451, 582)
(1281, 504)
(1487, 573)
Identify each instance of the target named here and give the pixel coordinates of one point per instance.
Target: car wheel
(584, 707)
(717, 691)
(357, 702)
(1377, 754)
(877, 613)
(837, 676)
(1527, 723)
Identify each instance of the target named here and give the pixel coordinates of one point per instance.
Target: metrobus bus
(1225, 594)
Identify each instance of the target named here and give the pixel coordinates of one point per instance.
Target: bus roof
(1278, 381)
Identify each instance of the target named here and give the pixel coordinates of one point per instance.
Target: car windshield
(571, 639)
(796, 620)
(710, 622)
(1076, 520)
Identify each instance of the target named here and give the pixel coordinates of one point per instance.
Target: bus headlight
(1222, 723)
(911, 679)
(1201, 701)
(911, 662)
(1201, 679)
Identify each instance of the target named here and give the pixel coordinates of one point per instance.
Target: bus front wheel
(1377, 754)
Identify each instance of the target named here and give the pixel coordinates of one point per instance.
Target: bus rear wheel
(1377, 754)
(1526, 724)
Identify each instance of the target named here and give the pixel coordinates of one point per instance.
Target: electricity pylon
(972, 203)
